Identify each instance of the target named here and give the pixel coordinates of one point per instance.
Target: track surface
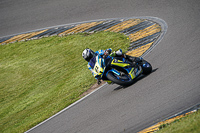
(173, 87)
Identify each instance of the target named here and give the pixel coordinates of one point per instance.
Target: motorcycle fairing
(119, 63)
(126, 66)
(100, 67)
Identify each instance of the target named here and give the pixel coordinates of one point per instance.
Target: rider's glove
(107, 52)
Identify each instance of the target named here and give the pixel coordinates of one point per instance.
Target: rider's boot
(133, 59)
(135, 62)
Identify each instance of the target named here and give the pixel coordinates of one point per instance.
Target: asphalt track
(173, 86)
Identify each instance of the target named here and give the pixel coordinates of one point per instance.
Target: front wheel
(124, 80)
(146, 67)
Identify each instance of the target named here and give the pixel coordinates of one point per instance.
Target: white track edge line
(68, 107)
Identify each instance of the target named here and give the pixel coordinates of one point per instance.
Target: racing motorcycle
(120, 70)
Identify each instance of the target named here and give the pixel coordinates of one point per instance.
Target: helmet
(88, 54)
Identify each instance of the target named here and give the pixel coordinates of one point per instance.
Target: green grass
(188, 124)
(38, 78)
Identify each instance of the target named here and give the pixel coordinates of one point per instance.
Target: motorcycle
(120, 70)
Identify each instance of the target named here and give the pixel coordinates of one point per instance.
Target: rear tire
(112, 77)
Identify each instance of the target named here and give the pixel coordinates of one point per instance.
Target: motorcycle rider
(89, 55)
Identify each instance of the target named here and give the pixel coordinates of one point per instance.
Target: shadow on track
(142, 76)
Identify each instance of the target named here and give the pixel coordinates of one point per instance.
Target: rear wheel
(124, 80)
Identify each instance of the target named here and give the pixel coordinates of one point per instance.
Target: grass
(188, 124)
(38, 78)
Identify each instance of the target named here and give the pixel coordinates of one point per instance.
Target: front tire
(146, 67)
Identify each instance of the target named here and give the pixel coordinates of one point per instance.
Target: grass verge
(38, 78)
(188, 124)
